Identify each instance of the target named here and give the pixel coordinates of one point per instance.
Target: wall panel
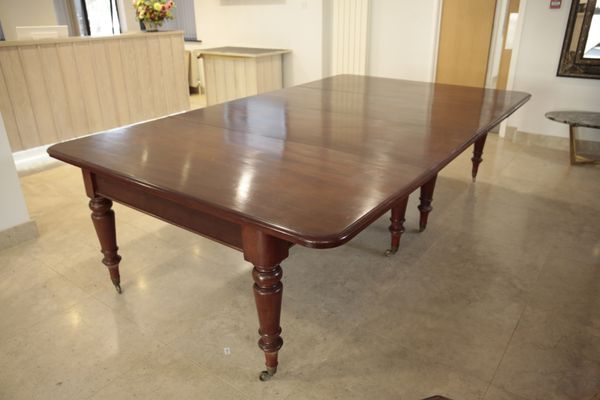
(58, 89)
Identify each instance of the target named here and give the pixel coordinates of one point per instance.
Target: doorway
(475, 42)
(501, 60)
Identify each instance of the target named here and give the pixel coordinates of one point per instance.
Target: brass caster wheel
(268, 374)
(390, 252)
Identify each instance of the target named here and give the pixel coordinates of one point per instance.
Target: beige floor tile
(30, 292)
(20, 270)
(463, 320)
(71, 354)
(168, 376)
(494, 393)
(537, 164)
(552, 356)
(498, 154)
(582, 246)
(166, 299)
(571, 287)
(362, 365)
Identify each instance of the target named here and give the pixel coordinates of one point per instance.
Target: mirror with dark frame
(580, 57)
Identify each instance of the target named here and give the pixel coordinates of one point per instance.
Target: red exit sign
(554, 4)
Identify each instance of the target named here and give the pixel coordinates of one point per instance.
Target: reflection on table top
(314, 162)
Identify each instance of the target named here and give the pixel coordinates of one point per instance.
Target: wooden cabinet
(235, 72)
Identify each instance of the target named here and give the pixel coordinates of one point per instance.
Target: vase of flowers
(152, 13)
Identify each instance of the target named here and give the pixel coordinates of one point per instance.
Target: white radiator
(350, 30)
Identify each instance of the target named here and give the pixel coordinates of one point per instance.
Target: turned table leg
(397, 226)
(477, 153)
(425, 205)
(266, 253)
(103, 218)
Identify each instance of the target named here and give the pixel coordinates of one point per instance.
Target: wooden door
(464, 44)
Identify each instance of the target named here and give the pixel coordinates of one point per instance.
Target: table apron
(204, 224)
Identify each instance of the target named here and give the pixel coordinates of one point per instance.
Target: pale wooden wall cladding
(230, 78)
(57, 90)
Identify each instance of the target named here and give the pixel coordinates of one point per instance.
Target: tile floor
(497, 300)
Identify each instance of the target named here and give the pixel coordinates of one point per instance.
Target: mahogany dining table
(311, 165)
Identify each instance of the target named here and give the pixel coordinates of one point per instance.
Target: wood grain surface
(58, 89)
(312, 164)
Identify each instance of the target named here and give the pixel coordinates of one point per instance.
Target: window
(88, 17)
(103, 17)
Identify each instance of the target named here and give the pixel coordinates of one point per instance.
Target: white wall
(403, 45)
(403, 38)
(539, 52)
(23, 13)
(13, 211)
(290, 24)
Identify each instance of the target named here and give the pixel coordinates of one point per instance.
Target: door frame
(436, 38)
(497, 43)
(514, 59)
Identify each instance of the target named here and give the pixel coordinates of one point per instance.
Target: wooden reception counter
(57, 89)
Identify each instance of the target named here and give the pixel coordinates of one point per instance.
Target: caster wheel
(390, 252)
(268, 374)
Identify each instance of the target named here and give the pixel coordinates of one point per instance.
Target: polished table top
(312, 164)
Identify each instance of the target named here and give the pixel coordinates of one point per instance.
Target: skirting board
(535, 139)
(510, 132)
(18, 234)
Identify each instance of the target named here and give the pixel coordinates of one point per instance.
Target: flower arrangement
(153, 12)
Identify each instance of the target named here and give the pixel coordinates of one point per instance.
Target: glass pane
(592, 45)
(81, 18)
(103, 17)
